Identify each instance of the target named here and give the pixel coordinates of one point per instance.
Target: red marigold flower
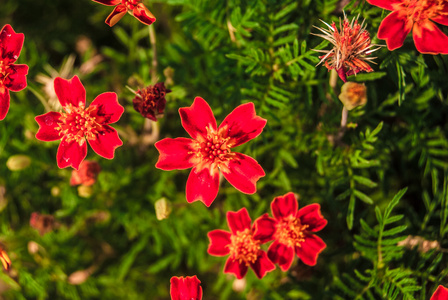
(42, 223)
(292, 231)
(187, 288)
(243, 245)
(79, 123)
(134, 7)
(351, 46)
(415, 15)
(87, 173)
(12, 76)
(150, 102)
(209, 150)
(4, 258)
(440, 294)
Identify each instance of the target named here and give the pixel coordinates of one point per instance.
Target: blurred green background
(228, 52)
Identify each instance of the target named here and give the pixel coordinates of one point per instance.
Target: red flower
(292, 231)
(351, 47)
(415, 15)
(79, 123)
(12, 76)
(243, 245)
(87, 173)
(187, 288)
(440, 294)
(134, 7)
(209, 150)
(150, 102)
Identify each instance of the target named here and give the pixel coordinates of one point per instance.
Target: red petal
(236, 268)
(264, 228)
(70, 91)
(442, 18)
(429, 39)
(108, 107)
(243, 124)
(202, 186)
(309, 250)
(284, 206)
(47, 127)
(175, 154)
(71, 153)
(262, 265)
(311, 216)
(10, 44)
(440, 294)
(238, 221)
(187, 288)
(219, 239)
(243, 173)
(281, 254)
(16, 80)
(116, 15)
(108, 2)
(4, 102)
(106, 142)
(143, 14)
(196, 118)
(386, 4)
(394, 29)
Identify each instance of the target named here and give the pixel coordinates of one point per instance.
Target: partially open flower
(134, 7)
(351, 46)
(353, 95)
(150, 102)
(87, 173)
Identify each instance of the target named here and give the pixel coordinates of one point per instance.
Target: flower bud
(163, 209)
(150, 102)
(85, 191)
(18, 162)
(353, 95)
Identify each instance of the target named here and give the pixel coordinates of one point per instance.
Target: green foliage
(228, 52)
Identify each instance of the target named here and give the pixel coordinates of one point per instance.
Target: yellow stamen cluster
(3, 71)
(243, 247)
(130, 4)
(290, 232)
(78, 122)
(214, 148)
(419, 10)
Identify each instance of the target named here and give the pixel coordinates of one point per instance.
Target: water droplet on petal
(15, 56)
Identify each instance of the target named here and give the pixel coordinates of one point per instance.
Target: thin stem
(153, 41)
(344, 117)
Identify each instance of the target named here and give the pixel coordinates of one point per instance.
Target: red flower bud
(150, 101)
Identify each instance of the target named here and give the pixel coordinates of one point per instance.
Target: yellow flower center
(214, 148)
(3, 71)
(290, 231)
(243, 247)
(419, 10)
(76, 123)
(130, 4)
